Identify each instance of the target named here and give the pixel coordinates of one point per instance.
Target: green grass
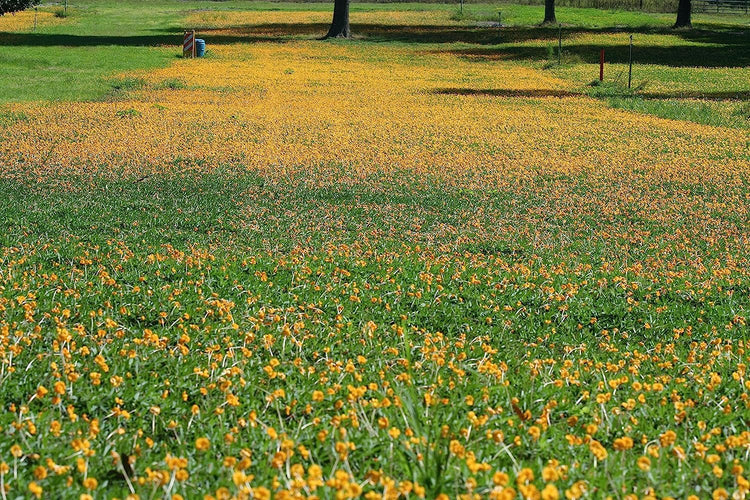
(77, 59)
(266, 264)
(729, 111)
(100, 40)
(719, 114)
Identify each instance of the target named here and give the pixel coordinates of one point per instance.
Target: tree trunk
(683, 14)
(549, 12)
(340, 24)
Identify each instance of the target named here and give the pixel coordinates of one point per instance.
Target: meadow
(428, 262)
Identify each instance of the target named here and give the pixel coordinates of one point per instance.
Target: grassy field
(428, 262)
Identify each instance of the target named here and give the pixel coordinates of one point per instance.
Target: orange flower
(202, 444)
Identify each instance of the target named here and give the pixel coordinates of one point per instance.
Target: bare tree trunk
(683, 14)
(340, 24)
(549, 12)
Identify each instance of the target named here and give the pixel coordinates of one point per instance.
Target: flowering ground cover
(384, 267)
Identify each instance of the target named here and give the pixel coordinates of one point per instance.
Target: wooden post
(559, 44)
(601, 65)
(188, 44)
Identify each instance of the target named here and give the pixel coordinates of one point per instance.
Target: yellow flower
(535, 432)
(644, 463)
(90, 483)
(720, 494)
(500, 478)
(667, 438)
(202, 444)
(576, 491)
(623, 443)
(261, 493)
(35, 489)
(59, 387)
(550, 473)
(597, 449)
(524, 476)
(550, 492)
(40, 472)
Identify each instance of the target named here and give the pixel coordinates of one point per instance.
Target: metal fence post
(630, 62)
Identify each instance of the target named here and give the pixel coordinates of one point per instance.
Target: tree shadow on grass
(742, 95)
(674, 56)
(271, 32)
(530, 93)
(64, 40)
(717, 48)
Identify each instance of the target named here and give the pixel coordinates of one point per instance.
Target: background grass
(79, 58)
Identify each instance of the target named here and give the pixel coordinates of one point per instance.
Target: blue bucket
(200, 47)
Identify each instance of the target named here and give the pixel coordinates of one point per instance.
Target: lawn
(427, 261)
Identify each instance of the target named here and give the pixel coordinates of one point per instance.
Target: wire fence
(722, 6)
(642, 5)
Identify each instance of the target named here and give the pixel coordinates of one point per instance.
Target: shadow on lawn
(675, 56)
(719, 48)
(507, 92)
(743, 95)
